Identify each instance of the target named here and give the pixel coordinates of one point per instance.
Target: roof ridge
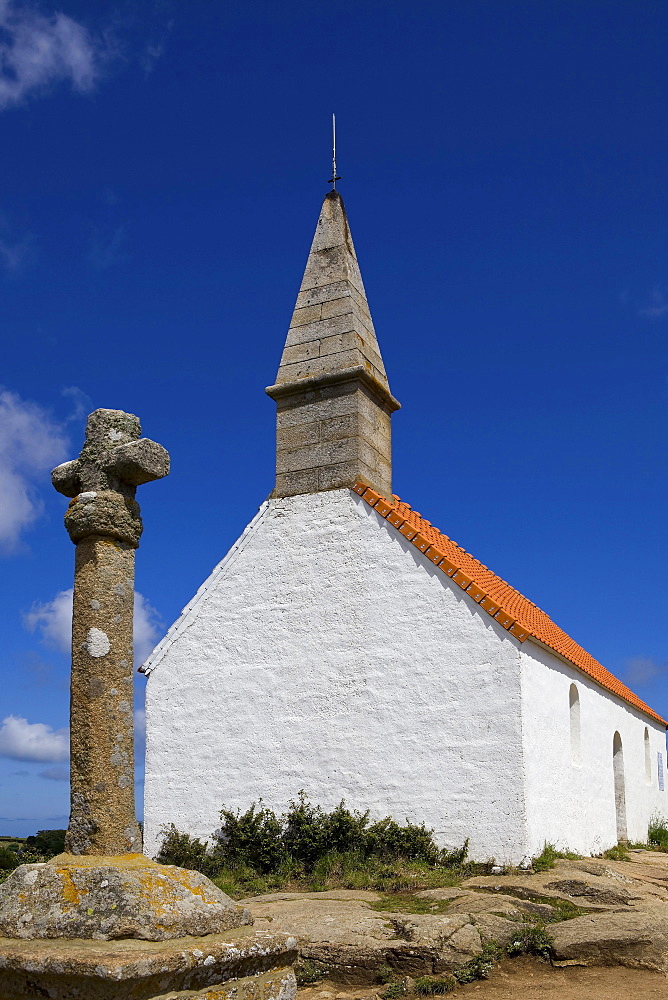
(507, 605)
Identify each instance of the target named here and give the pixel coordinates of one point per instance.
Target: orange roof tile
(510, 608)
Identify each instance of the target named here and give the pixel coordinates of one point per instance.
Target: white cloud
(82, 404)
(107, 247)
(59, 772)
(658, 306)
(31, 443)
(149, 57)
(53, 622)
(38, 50)
(148, 628)
(643, 669)
(140, 723)
(13, 254)
(23, 740)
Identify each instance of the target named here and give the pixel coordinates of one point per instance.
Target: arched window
(648, 759)
(574, 706)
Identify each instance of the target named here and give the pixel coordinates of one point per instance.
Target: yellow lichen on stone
(71, 894)
(108, 897)
(100, 860)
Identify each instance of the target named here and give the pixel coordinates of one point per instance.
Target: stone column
(102, 818)
(60, 921)
(104, 522)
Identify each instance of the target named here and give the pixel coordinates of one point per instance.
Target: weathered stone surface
(446, 941)
(361, 895)
(593, 883)
(509, 906)
(114, 897)
(447, 892)
(353, 941)
(636, 938)
(278, 984)
(331, 352)
(578, 889)
(112, 458)
(102, 809)
(103, 512)
(338, 444)
(469, 901)
(348, 937)
(644, 867)
(137, 462)
(491, 927)
(143, 970)
(104, 522)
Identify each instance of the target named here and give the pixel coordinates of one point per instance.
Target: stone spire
(333, 398)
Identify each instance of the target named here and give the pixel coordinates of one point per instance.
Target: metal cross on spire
(334, 177)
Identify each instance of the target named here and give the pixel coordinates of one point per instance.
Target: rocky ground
(527, 979)
(600, 915)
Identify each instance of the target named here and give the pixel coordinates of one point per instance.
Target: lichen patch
(97, 642)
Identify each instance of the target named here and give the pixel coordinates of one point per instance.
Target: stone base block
(124, 896)
(243, 964)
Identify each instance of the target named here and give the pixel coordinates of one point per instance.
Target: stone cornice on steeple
(333, 396)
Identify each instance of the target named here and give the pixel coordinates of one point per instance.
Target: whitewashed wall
(326, 653)
(571, 804)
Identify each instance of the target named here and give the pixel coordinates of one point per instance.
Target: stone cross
(104, 522)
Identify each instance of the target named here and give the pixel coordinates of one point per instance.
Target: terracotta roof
(510, 608)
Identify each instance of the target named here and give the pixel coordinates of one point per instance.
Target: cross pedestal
(102, 921)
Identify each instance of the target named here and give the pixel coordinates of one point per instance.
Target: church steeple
(333, 398)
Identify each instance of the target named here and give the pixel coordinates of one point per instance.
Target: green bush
(657, 834)
(253, 839)
(185, 852)
(530, 940)
(385, 974)
(481, 966)
(386, 839)
(48, 843)
(9, 860)
(260, 850)
(307, 973)
(36, 849)
(397, 988)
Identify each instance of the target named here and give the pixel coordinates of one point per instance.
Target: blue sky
(505, 173)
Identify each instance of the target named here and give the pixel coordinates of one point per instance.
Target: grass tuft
(549, 855)
(385, 974)
(532, 940)
(308, 972)
(426, 986)
(397, 988)
(481, 966)
(657, 833)
(617, 853)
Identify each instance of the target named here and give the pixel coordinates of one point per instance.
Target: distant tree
(47, 842)
(8, 859)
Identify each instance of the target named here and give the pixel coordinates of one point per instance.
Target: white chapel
(345, 646)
